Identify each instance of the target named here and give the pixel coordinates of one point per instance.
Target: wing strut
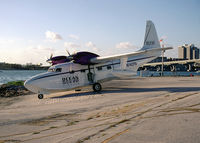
(123, 63)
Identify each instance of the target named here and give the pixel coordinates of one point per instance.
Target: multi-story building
(182, 52)
(188, 52)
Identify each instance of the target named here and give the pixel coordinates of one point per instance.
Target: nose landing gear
(40, 96)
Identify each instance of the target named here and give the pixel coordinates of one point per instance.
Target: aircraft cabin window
(108, 67)
(58, 70)
(99, 68)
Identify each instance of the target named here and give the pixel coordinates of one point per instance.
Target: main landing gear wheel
(40, 96)
(97, 87)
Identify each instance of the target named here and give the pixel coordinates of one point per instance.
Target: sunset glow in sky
(30, 30)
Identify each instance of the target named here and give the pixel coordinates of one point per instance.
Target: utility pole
(162, 61)
(162, 57)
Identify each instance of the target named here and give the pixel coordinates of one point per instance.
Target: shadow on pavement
(131, 90)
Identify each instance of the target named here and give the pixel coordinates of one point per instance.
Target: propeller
(70, 57)
(68, 52)
(50, 58)
(82, 58)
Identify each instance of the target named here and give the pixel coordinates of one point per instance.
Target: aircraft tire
(97, 87)
(40, 96)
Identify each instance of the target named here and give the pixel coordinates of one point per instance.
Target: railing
(166, 73)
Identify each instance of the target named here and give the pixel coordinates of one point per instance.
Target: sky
(30, 30)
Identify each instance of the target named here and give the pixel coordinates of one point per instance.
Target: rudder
(151, 38)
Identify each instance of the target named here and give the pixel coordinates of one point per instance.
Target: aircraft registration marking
(149, 42)
(70, 80)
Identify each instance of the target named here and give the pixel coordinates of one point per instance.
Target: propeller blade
(68, 52)
(46, 58)
(51, 56)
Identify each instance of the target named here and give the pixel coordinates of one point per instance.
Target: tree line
(8, 66)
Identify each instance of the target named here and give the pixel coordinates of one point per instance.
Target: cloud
(72, 47)
(6, 41)
(30, 54)
(39, 54)
(40, 48)
(91, 46)
(52, 36)
(125, 45)
(75, 37)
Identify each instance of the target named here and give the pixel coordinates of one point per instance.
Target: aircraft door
(91, 74)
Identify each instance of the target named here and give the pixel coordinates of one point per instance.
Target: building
(196, 53)
(182, 52)
(188, 60)
(188, 52)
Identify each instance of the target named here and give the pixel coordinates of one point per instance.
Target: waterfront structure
(172, 65)
(188, 52)
(188, 60)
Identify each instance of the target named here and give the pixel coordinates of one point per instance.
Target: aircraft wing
(97, 60)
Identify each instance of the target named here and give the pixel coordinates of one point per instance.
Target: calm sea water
(15, 75)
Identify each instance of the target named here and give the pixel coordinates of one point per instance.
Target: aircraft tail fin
(151, 38)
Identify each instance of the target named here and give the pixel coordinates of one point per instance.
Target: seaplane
(82, 69)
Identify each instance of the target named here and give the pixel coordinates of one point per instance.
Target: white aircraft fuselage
(77, 73)
(68, 76)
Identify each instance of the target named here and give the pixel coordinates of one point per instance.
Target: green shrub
(17, 83)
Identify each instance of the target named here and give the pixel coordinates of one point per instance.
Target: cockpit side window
(55, 70)
(50, 70)
(58, 69)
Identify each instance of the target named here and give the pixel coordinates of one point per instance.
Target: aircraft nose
(29, 85)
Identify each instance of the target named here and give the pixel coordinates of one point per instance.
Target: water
(15, 75)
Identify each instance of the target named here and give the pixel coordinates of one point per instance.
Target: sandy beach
(139, 110)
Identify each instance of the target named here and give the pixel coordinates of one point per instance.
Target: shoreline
(13, 89)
